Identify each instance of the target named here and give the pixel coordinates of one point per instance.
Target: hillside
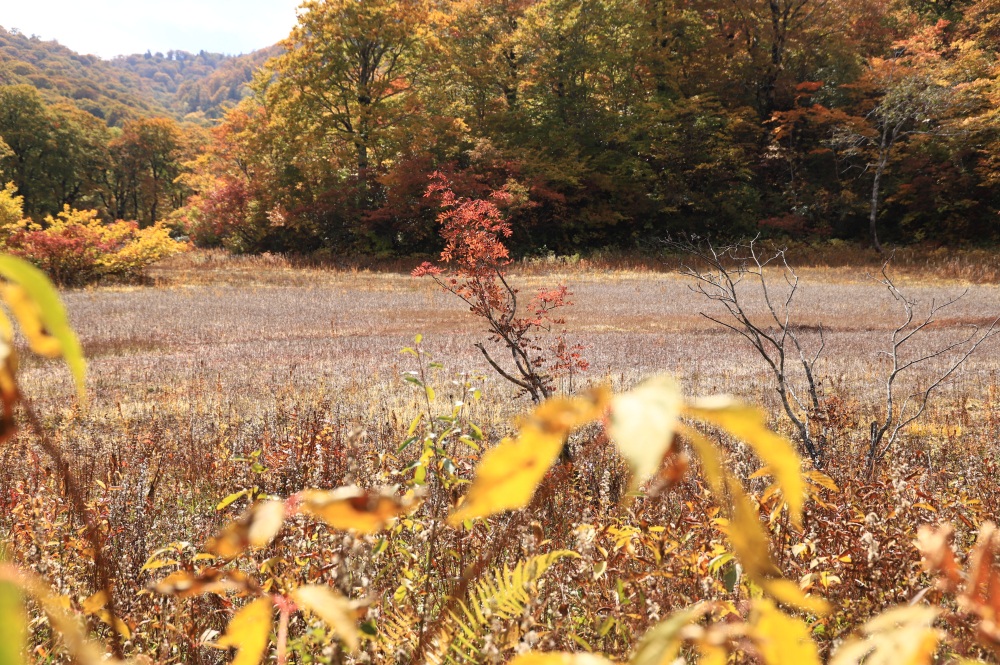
(176, 84)
(203, 83)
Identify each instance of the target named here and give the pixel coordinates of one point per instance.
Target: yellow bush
(76, 247)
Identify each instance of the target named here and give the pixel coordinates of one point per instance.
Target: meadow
(224, 374)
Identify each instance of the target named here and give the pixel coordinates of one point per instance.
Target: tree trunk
(873, 211)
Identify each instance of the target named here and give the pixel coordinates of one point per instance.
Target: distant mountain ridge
(198, 87)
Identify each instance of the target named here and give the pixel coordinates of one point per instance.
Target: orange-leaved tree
(473, 266)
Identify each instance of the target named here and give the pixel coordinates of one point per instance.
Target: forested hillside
(62, 75)
(202, 83)
(175, 84)
(113, 136)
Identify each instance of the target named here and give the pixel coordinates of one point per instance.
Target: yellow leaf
(13, 625)
(507, 475)
(711, 462)
(77, 644)
(661, 643)
(559, 659)
(413, 424)
(751, 546)
(352, 507)
(750, 425)
(643, 422)
(185, 584)
(29, 317)
(256, 528)
(51, 313)
(821, 479)
(267, 521)
(789, 593)
(9, 392)
(115, 622)
(781, 639)
(899, 636)
(712, 654)
(95, 602)
(335, 610)
(747, 536)
(248, 632)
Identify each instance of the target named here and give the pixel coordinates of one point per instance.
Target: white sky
(119, 27)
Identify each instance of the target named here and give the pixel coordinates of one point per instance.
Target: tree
(739, 279)
(27, 130)
(768, 32)
(911, 98)
(473, 230)
(54, 154)
(347, 73)
(147, 157)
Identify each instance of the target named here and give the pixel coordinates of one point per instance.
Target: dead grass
(230, 355)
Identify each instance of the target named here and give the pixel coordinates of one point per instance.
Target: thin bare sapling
(902, 408)
(763, 313)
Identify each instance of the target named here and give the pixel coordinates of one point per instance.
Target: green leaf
(51, 311)
(230, 499)
(13, 625)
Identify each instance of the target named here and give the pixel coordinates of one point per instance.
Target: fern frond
(398, 634)
(500, 595)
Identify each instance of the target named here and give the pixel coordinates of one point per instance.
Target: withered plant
(756, 289)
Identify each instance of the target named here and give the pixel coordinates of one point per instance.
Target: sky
(119, 27)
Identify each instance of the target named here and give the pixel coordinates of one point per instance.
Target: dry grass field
(219, 357)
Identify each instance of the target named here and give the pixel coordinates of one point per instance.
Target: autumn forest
(617, 122)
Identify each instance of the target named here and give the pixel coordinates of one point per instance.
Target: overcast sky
(118, 27)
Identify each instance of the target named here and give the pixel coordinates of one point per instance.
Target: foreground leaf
(899, 636)
(751, 546)
(13, 624)
(77, 644)
(29, 318)
(781, 639)
(749, 425)
(335, 610)
(185, 584)
(248, 632)
(643, 422)
(352, 507)
(507, 475)
(661, 643)
(559, 659)
(50, 311)
(10, 394)
(256, 528)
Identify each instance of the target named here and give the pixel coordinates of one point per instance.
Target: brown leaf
(353, 508)
(937, 557)
(185, 584)
(256, 528)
